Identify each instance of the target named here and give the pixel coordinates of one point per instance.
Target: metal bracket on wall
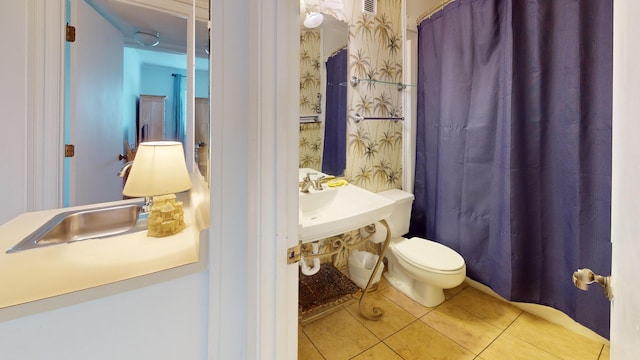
(293, 254)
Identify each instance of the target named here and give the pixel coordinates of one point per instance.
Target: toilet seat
(429, 255)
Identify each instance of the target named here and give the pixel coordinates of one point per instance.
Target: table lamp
(158, 172)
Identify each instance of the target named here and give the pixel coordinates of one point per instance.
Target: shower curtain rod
(427, 14)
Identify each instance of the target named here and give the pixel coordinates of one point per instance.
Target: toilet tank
(399, 219)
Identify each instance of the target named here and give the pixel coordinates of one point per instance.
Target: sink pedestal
(338, 244)
(375, 313)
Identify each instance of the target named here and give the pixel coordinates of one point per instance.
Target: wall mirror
(323, 95)
(127, 81)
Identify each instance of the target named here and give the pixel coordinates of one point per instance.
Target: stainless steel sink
(80, 225)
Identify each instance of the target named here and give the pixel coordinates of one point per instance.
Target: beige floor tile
(508, 347)
(463, 325)
(466, 329)
(495, 311)
(405, 302)
(339, 335)
(393, 319)
(378, 352)
(449, 293)
(554, 339)
(306, 350)
(381, 286)
(420, 341)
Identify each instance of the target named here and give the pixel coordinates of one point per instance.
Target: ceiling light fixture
(147, 38)
(313, 20)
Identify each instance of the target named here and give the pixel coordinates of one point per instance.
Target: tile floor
(468, 325)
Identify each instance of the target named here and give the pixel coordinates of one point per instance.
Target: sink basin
(334, 211)
(80, 225)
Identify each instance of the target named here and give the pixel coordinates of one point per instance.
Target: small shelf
(355, 81)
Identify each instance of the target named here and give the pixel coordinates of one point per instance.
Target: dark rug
(328, 287)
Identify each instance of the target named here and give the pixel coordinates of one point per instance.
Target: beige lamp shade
(159, 168)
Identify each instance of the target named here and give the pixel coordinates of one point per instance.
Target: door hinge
(71, 33)
(69, 150)
(293, 254)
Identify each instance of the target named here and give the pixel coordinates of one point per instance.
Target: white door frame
(45, 113)
(254, 161)
(625, 200)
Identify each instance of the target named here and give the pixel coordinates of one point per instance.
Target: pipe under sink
(71, 226)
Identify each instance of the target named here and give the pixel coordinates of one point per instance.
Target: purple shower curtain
(513, 163)
(334, 158)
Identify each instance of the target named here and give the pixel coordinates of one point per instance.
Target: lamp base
(166, 216)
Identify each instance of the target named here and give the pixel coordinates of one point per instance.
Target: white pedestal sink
(334, 211)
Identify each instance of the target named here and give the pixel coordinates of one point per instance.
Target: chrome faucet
(125, 169)
(306, 184)
(317, 184)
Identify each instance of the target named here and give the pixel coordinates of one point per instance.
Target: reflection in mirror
(123, 89)
(202, 103)
(324, 139)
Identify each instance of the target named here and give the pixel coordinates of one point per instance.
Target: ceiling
(167, 18)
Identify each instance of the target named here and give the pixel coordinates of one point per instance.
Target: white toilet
(419, 268)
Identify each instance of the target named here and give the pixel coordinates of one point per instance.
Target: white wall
(157, 80)
(415, 8)
(166, 320)
(334, 35)
(202, 84)
(132, 76)
(13, 102)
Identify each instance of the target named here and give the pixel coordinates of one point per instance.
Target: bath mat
(326, 288)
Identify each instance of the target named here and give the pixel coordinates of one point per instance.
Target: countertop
(45, 272)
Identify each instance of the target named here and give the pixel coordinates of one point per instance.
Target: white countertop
(41, 273)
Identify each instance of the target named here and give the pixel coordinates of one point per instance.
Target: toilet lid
(429, 254)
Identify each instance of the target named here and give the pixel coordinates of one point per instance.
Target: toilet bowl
(417, 267)
(422, 269)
